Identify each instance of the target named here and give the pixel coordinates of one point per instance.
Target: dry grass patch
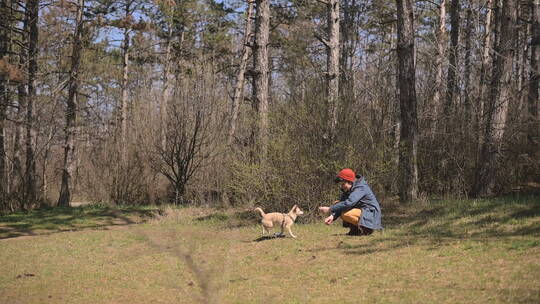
(195, 255)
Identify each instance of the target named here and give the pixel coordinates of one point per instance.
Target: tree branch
(322, 40)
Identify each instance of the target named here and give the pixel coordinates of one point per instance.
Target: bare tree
(408, 169)
(122, 17)
(186, 148)
(71, 108)
(453, 63)
(240, 79)
(497, 104)
(174, 32)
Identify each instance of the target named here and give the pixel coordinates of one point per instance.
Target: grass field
(467, 251)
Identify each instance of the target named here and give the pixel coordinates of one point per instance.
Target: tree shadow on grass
(446, 222)
(47, 221)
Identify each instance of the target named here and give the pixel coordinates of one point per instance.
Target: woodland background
(234, 103)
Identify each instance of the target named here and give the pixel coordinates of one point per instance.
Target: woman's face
(345, 186)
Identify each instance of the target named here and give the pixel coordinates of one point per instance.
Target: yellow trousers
(352, 216)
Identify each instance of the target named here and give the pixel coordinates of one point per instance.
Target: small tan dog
(284, 220)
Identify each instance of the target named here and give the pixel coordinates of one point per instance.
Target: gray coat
(360, 196)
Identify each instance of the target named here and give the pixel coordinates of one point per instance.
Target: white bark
(441, 53)
(332, 65)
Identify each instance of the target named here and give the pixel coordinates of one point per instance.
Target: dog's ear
(294, 207)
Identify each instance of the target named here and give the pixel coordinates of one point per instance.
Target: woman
(358, 207)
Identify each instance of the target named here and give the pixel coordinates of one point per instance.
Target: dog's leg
(265, 230)
(290, 232)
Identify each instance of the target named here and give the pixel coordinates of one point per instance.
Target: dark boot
(365, 231)
(353, 229)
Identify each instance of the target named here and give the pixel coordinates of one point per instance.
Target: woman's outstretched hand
(329, 220)
(324, 210)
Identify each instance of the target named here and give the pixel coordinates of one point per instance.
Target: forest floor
(439, 251)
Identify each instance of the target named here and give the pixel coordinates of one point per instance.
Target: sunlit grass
(453, 251)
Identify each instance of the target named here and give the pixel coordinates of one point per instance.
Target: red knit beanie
(347, 175)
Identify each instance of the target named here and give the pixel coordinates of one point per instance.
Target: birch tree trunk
(497, 104)
(441, 50)
(18, 180)
(124, 94)
(485, 68)
(71, 110)
(485, 53)
(521, 57)
(168, 78)
(260, 77)
(408, 169)
(30, 172)
(332, 65)
(240, 79)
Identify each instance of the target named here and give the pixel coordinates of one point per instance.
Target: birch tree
(168, 82)
(439, 60)
(486, 64)
(124, 108)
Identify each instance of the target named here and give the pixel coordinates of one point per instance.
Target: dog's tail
(260, 211)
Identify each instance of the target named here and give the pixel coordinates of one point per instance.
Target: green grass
(452, 251)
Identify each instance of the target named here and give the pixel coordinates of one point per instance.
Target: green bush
(301, 163)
